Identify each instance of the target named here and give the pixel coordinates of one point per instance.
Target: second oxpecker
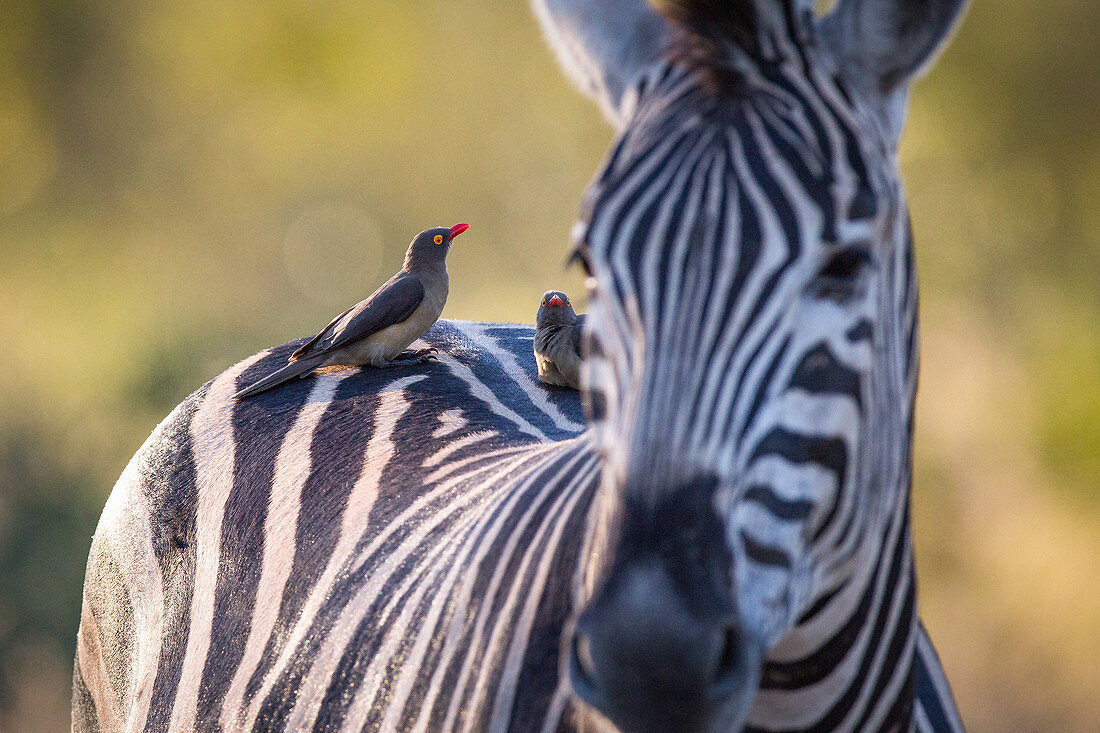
(558, 332)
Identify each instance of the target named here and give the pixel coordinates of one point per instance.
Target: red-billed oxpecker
(376, 331)
(558, 333)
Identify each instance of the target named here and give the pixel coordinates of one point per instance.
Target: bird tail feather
(294, 369)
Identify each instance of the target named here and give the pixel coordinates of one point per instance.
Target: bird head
(431, 246)
(555, 310)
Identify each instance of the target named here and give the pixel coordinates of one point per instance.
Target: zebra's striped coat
(432, 548)
(299, 589)
(268, 558)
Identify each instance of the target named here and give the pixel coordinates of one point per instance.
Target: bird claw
(415, 356)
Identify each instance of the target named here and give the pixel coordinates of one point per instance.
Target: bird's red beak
(458, 229)
(555, 302)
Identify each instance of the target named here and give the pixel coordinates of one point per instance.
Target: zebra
(713, 537)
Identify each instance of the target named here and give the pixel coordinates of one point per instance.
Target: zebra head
(751, 355)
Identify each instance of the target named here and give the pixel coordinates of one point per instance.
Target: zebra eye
(847, 263)
(579, 256)
(841, 276)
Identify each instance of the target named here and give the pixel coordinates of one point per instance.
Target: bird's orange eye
(439, 239)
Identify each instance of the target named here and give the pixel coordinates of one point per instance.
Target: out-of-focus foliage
(182, 184)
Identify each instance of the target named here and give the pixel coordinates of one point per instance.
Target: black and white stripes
(751, 344)
(359, 599)
(314, 557)
(725, 545)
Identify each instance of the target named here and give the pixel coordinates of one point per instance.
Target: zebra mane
(711, 23)
(722, 38)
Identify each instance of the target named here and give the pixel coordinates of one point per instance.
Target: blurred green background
(184, 183)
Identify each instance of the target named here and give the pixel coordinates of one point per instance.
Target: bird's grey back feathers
(392, 303)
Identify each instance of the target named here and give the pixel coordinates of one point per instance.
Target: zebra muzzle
(645, 660)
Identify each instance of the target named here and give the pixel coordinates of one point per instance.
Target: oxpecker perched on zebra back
(557, 343)
(376, 331)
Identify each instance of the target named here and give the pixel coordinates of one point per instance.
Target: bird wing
(578, 333)
(392, 303)
(304, 348)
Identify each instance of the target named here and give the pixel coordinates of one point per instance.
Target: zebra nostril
(728, 670)
(582, 668)
(584, 654)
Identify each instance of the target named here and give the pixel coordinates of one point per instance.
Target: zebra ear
(886, 43)
(604, 46)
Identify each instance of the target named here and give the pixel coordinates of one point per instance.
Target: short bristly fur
(718, 21)
(725, 545)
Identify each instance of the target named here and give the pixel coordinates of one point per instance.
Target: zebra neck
(849, 661)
